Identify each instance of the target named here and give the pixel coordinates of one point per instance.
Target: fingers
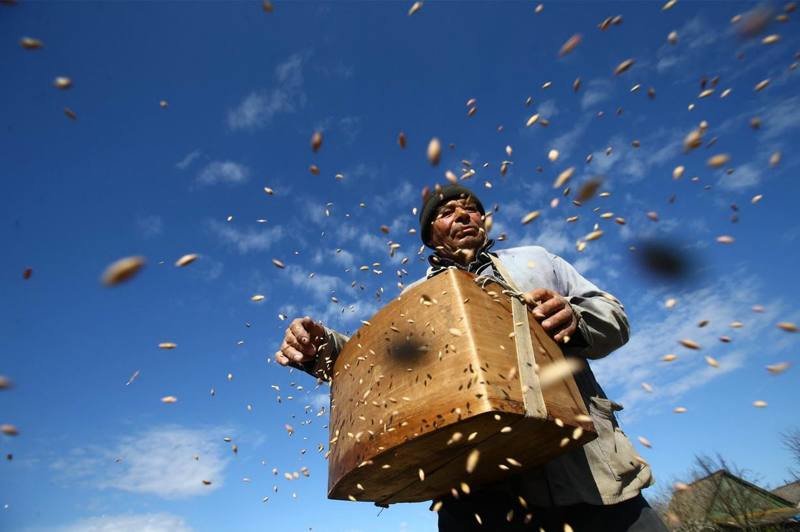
(538, 295)
(300, 342)
(314, 329)
(558, 320)
(299, 332)
(567, 332)
(291, 352)
(306, 349)
(549, 307)
(281, 359)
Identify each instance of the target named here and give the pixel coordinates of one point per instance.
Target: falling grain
(186, 260)
(122, 270)
(434, 151)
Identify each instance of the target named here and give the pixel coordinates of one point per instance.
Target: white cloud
(158, 461)
(246, 240)
(320, 286)
(743, 177)
(566, 142)
(547, 108)
(597, 90)
(634, 164)
(694, 40)
(150, 226)
(350, 127)
(401, 194)
(223, 172)
(207, 268)
(189, 159)
(781, 119)
(655, 332)
(320, 400)
(259, 107)
(155, 522)
(320, 306)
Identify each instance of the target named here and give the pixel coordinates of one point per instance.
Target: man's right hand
(301, 342)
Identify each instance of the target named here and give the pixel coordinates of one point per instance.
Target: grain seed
(718, 160)
(316, 141)
(777, 369)
(624, 66)
(472, 460)
(689, 344)
(62, 83)
(563, 177)
(531, 216)
(570, 45)
(29, 43)
(186, 260)
(122, 270)
(434, 151)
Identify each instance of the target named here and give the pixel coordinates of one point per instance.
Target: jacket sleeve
(602, 322)
(321, 366)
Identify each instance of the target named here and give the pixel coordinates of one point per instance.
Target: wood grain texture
(437, 361)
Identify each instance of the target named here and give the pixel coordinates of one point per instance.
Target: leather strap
(531, 389)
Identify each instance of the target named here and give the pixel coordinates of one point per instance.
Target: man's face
(458, 226)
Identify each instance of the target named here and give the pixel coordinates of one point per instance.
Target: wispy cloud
(694, 40)
(597, 91)
(150, 226)
(246, 240)
(322, 288)
(223, 172)
(259, 107)
(168, 461)
(781, 119)
(743, 177)
(184, 163)
(657, 330)
(155, 522)
(548, 108)
(567, 141)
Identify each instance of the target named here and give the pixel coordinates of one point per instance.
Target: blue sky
(245, 91)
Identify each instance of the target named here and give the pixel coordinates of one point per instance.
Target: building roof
(725, 499)
(790, 491)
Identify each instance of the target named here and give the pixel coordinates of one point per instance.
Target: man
(595, 487)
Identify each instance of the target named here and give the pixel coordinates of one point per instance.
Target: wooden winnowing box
(432, 376)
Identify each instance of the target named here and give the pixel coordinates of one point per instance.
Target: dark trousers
(633, 515)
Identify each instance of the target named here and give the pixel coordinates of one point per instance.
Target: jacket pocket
(615, 449)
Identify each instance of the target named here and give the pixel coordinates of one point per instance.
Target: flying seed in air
(624, 66)
(186, 260)
(434, 151)
(122, 270)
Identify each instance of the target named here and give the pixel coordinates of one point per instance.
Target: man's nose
(461, 214)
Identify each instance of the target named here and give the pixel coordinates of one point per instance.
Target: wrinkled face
(458, 229)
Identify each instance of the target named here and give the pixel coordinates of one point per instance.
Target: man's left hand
(554, 311)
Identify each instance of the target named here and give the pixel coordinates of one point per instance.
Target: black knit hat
(436, 198)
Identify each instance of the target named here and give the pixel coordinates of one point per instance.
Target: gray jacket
(605, 470)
